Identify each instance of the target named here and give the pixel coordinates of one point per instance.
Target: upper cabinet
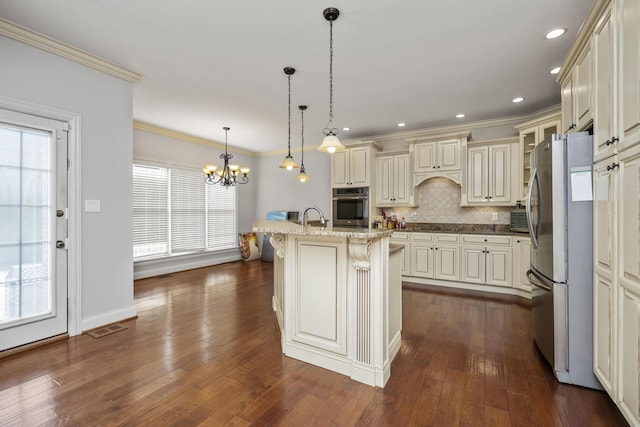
(629, 37)
(577, 94)
(491, 178)
(353, 167)
(604, 129)
(438, 156)
(533, 133)
(393, 180)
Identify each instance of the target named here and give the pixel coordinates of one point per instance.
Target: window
(175, 212)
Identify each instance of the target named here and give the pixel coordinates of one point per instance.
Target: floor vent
(107, 330)
(164, 276)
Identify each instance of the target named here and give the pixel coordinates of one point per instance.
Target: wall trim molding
(51, 45)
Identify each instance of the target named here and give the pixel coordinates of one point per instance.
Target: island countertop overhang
(284, 227)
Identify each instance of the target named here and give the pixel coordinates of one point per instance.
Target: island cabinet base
(338, 301)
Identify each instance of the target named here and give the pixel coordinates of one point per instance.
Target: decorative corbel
(277, 241)
(360, 251)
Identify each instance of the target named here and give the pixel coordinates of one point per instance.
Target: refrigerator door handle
(533, 180)
(540, 283)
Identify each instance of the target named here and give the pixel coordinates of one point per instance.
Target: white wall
(278, 190)
(104, 105)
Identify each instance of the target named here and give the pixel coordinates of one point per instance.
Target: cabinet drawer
(422, 237)
(447, 238)
(482, 239)
(402, 236)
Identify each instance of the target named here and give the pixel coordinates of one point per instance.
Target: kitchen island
(337, 297)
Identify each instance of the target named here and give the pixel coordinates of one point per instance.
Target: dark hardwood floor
(205, 351)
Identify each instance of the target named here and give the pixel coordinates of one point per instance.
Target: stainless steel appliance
(351, 207)
(560, 220)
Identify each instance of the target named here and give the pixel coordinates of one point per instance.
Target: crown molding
(147, 127)
(48, 44)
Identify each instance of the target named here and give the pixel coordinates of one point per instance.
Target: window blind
(150, 211)
(175, 212)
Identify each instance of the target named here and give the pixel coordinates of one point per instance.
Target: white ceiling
(211, 63)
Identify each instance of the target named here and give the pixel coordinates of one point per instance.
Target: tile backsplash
(438, 200)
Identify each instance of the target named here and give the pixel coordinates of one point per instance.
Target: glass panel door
(33, 289)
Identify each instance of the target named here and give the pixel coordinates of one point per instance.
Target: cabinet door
(359, 166)
(528, 140)
(604, 213)
(498, 268)
(340, 169)
(447, 262)
(629, 217)
(604, 129)
(422, 260)
(425, 157)
(478, 165)
(522, 262)
(630, 76)
(629, 342)
(499, 173)
(385, 175)
(406, 259)
(448, 155)
(583, 89)
(603, 332)
(401, 179)
(566, 98)
(473, 264)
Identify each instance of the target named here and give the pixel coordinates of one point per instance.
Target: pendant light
(288, 163)
(302, 176)
(331, 143)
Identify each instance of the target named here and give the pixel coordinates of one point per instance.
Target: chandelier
(331, 143)
(302, 176)
(228, 175)
(288, 163)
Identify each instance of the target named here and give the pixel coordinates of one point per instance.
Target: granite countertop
(430, 227)
(284, 227)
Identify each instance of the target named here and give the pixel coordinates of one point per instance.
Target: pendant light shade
(331, 143)
(288, 163)
(302, 176)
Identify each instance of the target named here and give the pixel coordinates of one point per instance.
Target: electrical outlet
(494, 216)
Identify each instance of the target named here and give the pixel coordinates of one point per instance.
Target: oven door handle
(351, 198)
(540, 283)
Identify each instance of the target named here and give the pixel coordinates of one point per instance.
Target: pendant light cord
(331, 73)
(289, 138)
(302, 139)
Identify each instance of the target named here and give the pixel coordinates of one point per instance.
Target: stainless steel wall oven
(351, 207)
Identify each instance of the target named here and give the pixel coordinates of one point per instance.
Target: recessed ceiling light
(401, 125)
(555, 70)
(459, 116)
(555, 33)
(347, 128)
(518, 99)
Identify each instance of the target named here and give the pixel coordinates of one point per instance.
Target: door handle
(60, 244)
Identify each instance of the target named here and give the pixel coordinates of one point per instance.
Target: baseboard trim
(108, 318)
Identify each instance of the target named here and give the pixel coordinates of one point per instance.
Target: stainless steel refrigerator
(560, 220)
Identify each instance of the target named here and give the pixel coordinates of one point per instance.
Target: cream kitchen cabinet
(404, 239)
(604, 127)
(394, 180)
(532, 133)
(435, 256)
(629, 36)
(521, 262)
(491, 175)
(437, 156)
(487, 259)
(353, 167)
(577, 94)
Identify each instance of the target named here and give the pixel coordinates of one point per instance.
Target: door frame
(74, 240)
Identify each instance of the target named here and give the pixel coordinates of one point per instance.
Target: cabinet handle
(573, 126)
(438, 167)
(612, 166)
(517, 241)
(434, 167)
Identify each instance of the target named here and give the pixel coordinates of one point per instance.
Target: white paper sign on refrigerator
(581, 188)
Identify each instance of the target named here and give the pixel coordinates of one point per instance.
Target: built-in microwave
(351, 207)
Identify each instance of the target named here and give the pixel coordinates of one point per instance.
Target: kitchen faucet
(305, 216)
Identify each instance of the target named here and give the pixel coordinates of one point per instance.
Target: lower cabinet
(629, 341)
(404, 239)
(521, 262)
(436, 256)
(487, 260)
